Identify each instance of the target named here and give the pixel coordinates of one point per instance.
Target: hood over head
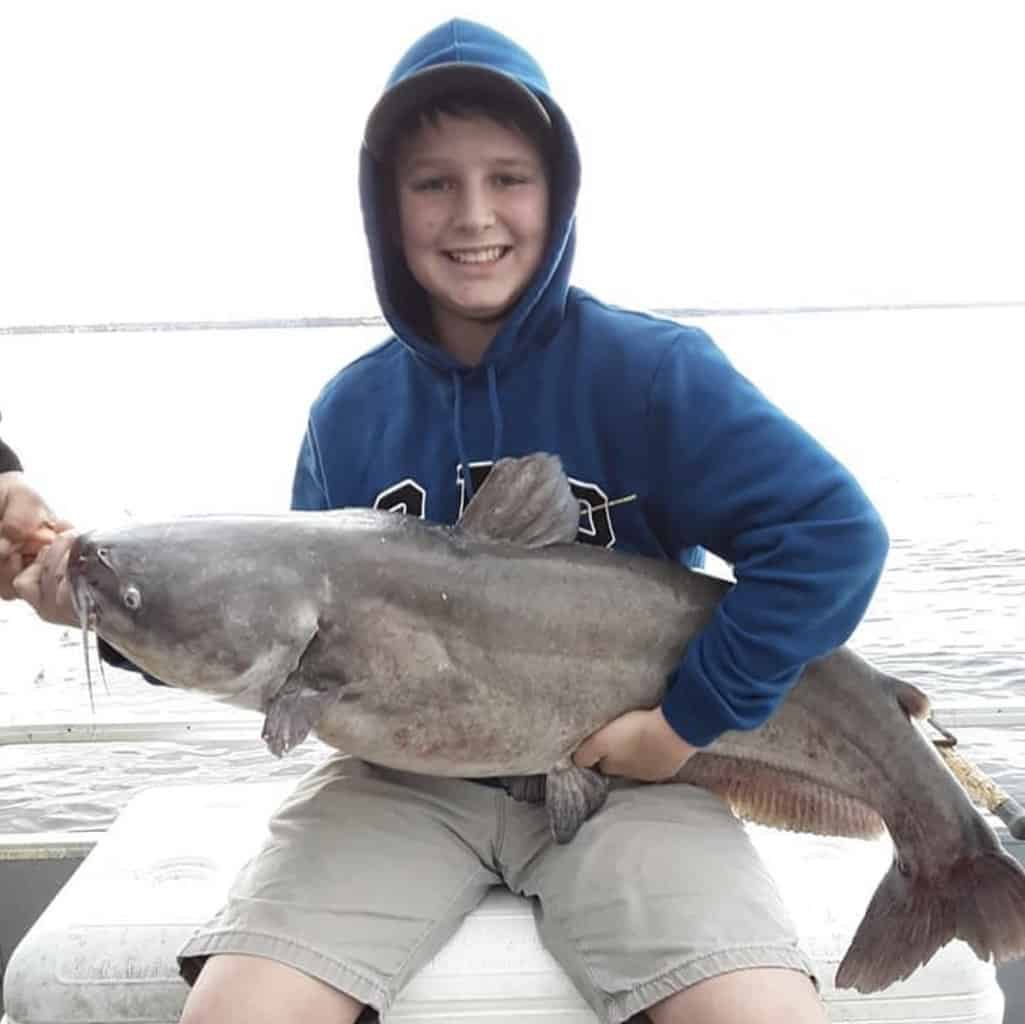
(457, 57)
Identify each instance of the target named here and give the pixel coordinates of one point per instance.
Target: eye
(435, 184)
(132, 598)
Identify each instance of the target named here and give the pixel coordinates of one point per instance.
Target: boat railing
(71, 843)
(1011, 715)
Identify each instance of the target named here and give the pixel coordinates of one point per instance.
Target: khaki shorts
(368, 872)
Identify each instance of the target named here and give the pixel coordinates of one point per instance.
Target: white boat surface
(96, 917)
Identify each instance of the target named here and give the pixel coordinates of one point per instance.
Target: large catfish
(493, 647)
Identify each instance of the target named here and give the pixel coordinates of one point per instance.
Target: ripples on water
(931, 429)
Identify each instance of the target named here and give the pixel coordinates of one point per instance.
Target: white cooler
(104, 950)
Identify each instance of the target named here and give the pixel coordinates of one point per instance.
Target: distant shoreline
(673, 312)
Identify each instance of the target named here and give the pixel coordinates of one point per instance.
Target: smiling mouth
(478, 257)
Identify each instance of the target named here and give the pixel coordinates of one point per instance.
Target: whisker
(84, 606)
(103, 676)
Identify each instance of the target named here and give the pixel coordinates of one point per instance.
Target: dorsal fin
(524, 501)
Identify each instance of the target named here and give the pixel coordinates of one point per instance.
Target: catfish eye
(132, 598)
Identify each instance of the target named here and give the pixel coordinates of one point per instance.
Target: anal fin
(781, 799)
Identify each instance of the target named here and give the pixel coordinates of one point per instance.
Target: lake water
(927, 407)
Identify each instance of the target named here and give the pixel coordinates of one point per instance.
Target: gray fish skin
(493, 648)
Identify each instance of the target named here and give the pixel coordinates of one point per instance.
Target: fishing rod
(977, 784)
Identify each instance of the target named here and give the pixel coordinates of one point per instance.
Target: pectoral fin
(295, 709)
(572, 795)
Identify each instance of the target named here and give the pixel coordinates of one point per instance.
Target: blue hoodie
(634, 405)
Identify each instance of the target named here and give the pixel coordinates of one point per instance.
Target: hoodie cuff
(695, 710)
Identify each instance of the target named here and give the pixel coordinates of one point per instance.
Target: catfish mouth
(84, 579)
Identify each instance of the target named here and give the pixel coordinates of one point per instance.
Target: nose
(79, 549)
(476, 211)
(81, 552)
(78, 556)
(87, 555)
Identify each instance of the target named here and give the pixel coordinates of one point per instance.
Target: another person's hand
(639, 745)
(26, 526)
(44, 584)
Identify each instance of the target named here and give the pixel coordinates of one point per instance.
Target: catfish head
(197, 602)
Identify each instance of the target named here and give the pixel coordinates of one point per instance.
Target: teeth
(477, 255)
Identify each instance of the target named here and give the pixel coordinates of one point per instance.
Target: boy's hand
(640, 745)
(26, 526)
(44, 583)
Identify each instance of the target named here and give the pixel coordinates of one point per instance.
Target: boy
(468, 181)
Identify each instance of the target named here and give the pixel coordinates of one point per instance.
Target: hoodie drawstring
(496, 411)
(457, 415)
(457, 424)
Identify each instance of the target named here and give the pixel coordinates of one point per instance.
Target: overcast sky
(197, 160)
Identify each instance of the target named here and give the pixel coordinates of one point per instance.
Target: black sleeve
(8, 460)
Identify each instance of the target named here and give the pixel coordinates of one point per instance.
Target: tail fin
(981, 900)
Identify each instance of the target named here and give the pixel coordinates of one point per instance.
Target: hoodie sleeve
(309, 494)
(732, 473)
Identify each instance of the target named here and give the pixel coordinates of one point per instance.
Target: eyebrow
(443, 162)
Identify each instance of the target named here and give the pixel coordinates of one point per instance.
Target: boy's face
(473, 217)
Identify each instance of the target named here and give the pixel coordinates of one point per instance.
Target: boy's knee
(754, 995)
(235, 989)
